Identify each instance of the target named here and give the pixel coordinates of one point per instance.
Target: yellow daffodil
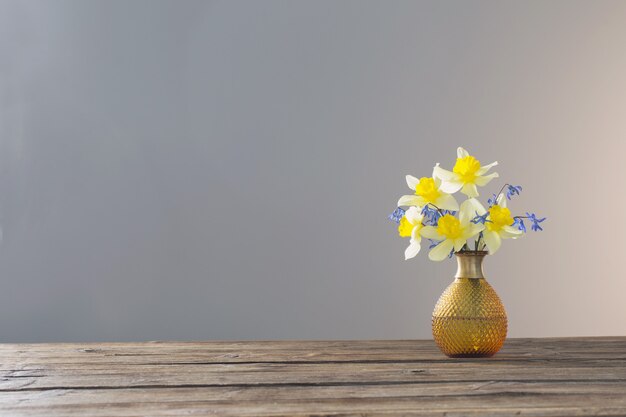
(427, 191)
(453, 232)
(465, 176)
(410, 226)
(499, 224)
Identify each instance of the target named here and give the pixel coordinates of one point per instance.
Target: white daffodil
(465, 176)
(410, 226)
(499, 224)
(452, 232)
(427, 191)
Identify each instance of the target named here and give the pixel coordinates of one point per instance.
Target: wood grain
(567, 376)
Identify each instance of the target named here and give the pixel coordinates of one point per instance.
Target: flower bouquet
(469, 319)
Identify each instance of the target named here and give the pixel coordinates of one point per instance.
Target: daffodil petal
(441, 251)
(469, 190)
(484, 180)
(461, 153)
(492, 240)
(413, 215)
(450, 187)
(501, 200)
(483, 170)
(411, 181)
(458, 244)
(412, 250)
(430, 232)
(510, 232)
(447, 202)
(472, 230)
(444, 174)
(468, 210)
(410, 200)
(415, 233)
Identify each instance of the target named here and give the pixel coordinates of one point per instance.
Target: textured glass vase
(469, 319)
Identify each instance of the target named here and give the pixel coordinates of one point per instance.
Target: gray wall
(223, 170)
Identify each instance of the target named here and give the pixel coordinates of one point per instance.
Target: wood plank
(498, 404)
(303, 374)
(289, 351)
(21, 399)
(573, 376)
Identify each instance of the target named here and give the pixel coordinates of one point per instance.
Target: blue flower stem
(438, 209)
(500, 192)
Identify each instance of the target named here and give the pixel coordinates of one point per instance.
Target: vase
(469, 319)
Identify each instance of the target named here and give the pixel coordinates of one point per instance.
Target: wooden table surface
(570, 376)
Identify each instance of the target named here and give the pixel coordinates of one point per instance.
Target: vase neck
(470, 264)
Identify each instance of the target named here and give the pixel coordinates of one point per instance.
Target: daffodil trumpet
(433, 212)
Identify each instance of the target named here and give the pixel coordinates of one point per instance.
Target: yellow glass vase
(469, 319)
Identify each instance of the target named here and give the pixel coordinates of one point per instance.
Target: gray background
(223, 170)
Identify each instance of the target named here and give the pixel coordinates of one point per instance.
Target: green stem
(478, 242)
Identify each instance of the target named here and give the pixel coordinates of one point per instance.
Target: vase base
(470, 355)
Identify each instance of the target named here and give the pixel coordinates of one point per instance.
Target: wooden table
(581, 376)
